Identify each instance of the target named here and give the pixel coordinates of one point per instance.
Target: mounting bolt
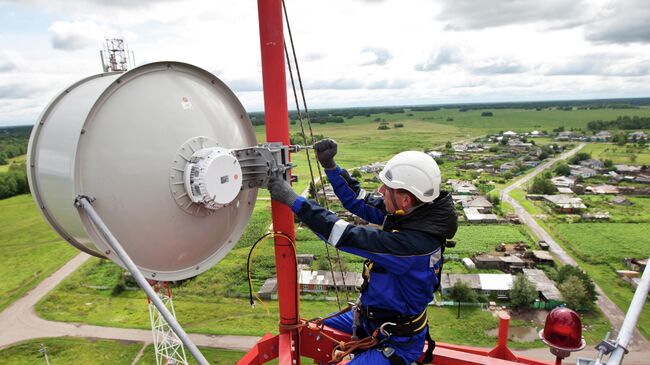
(108, 252)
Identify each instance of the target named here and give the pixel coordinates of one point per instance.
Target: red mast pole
(277, 130)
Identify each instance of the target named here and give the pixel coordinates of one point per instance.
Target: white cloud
(470, 14)
(622, 22)
(374, 53)
(72, 36)
(375, 56)
(445, 55)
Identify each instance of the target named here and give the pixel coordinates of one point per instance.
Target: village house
(531, 163)
(569, 136)
(540, 257)
(471, 166)
(602, 189)
(472, 215)
(435, 154)
(593, 164)
(627, 169)
(509, 264)
(478, 202)
(461, 187)
(507, 166)
(582, 171)
(497, 285)
(546, 288)
(322, 281)
(509, 134)
(563, 181)
(373, 167)
(563, 190)
(535, 134)
(518, 145)
(643, 179)
(602, 136)
(565, 203)
(637, 136)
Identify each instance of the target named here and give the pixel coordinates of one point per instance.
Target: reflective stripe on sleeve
(362, 194)
(337, 231)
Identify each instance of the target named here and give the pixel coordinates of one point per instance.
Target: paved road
(611, 310)
(19, 322)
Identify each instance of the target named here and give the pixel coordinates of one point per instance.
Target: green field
(472, 239)
(74, 351)
(66, 350)
(618, 154)
(600, 248)
(31, 249)
(17, 160)
(220, 290)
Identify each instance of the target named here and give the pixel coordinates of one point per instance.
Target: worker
(403, 258)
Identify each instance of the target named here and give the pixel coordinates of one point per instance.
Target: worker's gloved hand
(281, 191)
(325, 151)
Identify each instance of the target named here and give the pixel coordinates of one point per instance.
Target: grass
(66, 350)
(471, 239)
(10, 161)
(199, 300)
(520, 196)
(214, 356)
(618, 154)
(599, 249)
(638, 212)
(31, 249)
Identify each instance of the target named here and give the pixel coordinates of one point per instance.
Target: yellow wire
(250, 280)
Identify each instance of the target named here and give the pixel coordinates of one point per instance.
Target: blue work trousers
(408, 348)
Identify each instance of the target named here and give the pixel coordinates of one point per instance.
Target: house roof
(542, 255)
(476, 202)
(495, 281)
(603, 189)
(543, 284)
(627, 168)
(472, 280)
(565, 201)
(563, 180)
(564, 190)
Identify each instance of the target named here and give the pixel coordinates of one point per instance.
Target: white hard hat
(415, 172)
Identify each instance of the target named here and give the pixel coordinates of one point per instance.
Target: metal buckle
(383, 331)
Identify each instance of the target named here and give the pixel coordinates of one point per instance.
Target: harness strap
(428, 354)
(397, 324)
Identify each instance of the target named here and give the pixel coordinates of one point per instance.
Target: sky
(350, 52)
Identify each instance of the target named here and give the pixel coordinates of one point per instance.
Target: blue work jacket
(405, 254)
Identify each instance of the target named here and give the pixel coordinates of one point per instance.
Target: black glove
(281, 191)
(325, 151)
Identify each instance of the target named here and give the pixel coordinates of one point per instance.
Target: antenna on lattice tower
(168, 347)
(116, 56)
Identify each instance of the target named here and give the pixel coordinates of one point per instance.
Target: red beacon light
(563, 332)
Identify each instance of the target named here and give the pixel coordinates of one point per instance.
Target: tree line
(14, 181)
(625, 122)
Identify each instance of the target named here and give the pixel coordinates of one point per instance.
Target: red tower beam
(277, 130)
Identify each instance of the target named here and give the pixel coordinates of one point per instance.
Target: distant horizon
(441, 105)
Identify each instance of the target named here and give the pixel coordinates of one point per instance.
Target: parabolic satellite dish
(152, 146)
